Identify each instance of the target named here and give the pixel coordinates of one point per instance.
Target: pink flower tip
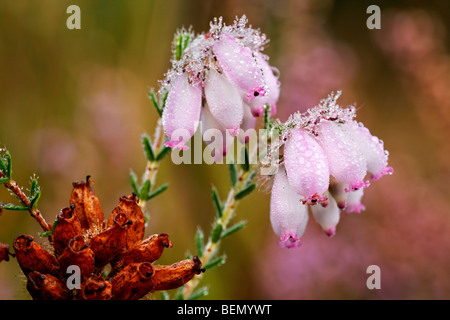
(315, 199)
(387, 170)
(289, 241)
(254, 93)
(330, 231)
(357, 208)
(176, 145)
(357, 186)
(233, 131)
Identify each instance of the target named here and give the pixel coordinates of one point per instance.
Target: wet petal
(327, 217)
(346, 162)
(372, 149)
(224, 101)
(354, 202)
(272, 90)
(217, 138)
(239, 65)
(247, 125)
(182, 112)
(288, 215)
(306, 166)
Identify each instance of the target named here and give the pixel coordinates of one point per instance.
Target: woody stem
(229, 210)
(152, 167)
(35, 213)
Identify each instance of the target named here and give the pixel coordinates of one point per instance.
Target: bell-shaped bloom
(327, 217)
(373, 150)
(216, 137)
(288, 215)
(272, 90)
(354, 202)
(224, 101)
(240, 66)
(247, 125)
(337, 191)
(306, 166)
(182, 111)
(346, 162)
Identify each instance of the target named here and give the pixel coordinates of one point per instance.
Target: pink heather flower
(239, 64)
(272, 90)
(227, 66)
(224, 101)
(372, 149)
(346, 161)
(326, 158)
(306, 166)
(219, 140)
(288, 215)
(248, 123)
(182, 111)
(327, 217)
(354, 201)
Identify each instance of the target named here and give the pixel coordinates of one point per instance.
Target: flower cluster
(326, 158)
(113, 258)
(220, 78)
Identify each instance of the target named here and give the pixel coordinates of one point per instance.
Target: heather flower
(288, 215)
(327, 156)
(223, 71)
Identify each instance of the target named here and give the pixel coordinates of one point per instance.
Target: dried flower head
(327, 156)
(82, 238)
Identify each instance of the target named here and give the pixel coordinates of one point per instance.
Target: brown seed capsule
(32, 257)
(4, 252)
(108, 244)
(77, 253)
(130, 207)
(87, 206)
(175, 275)
(133, 282)
(148, 250)
(96, 289)
(68, 227)
(46, 287)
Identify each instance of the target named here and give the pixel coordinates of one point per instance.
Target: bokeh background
(74, 102)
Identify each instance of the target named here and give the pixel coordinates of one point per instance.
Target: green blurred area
(74, 103)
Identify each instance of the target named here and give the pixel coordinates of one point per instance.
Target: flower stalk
(28, 203)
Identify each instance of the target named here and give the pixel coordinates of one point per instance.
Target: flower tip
(330, 231)
(342, 204)
(385, 171)
(357, 186)
(254, 93)
(233, 132)
(316, 199)
(176, 145)
(356, 208)
(289, 241)
(258, 111)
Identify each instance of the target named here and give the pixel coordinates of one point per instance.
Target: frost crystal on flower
(222, 72)
(327, 160)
